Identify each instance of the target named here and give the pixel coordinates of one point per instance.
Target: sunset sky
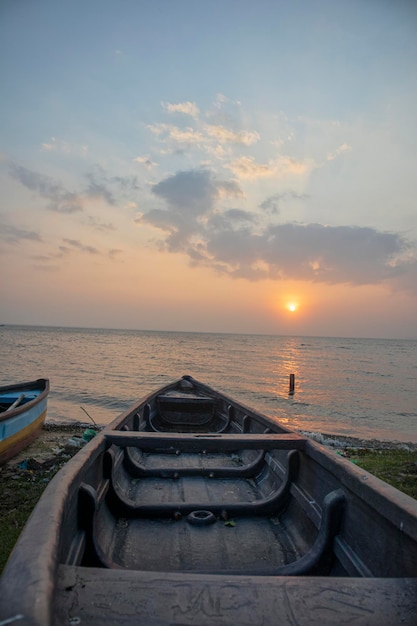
(209, 166)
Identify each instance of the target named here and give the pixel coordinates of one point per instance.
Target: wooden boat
(22, 414)
(191, 508)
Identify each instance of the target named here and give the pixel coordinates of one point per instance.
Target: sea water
(345, 387)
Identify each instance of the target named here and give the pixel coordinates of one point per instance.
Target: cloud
(168, 132)
(98, 189)
(187, 108)
(227, 135)
(194, 192)
(309, 252)
(61, 146)
(251, 244)
(344, 147)
(60, 200)
(272, 203)
(15, 235)
(100, 226)
(67, 249)
(190, 196)
(247, 168)
(231, 219)
(146, 161)
(74, 243)
(111, 189)
(331, 254)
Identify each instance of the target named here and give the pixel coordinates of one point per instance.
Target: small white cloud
(186, 135)
(343, 148)
(221, 100)
(146, 161)
(64, 147)
(187, 108)
(247, 167)
(227, 135)
(180, 135)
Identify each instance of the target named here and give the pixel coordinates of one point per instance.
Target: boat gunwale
(41, 383)
(302, 600)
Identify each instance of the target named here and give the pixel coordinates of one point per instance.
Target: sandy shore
(54, 440)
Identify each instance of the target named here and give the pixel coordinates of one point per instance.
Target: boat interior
(191, 483)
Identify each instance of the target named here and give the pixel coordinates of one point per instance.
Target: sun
(292, 306)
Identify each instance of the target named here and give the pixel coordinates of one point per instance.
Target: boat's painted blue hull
(20, 425)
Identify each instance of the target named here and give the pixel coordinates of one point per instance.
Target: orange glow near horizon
(289, 304)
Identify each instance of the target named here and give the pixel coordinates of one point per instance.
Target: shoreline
(327, 439)
(341, 442)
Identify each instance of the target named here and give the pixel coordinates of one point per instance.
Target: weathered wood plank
(187, 441)
(130, 598)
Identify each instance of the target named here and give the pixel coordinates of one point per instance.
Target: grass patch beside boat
(24, 478)
(19, 494)
(396, 467)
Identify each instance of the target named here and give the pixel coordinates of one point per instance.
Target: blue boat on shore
(22, 414)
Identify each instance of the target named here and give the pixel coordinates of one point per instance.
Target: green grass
(18, 497)
(396, 467)
(20, 489)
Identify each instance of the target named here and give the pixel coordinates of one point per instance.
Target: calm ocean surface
(354, 387)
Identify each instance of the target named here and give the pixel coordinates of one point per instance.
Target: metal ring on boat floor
(201, 518)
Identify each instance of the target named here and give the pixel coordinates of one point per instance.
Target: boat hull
(240, 520)
(20, 425)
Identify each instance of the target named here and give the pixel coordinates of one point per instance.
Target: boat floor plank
(125, 598)
(154, 461)
(154, 491)
(174, 545)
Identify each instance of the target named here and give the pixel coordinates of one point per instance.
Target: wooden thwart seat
(139, 470)
(196, 441)
(272, 504)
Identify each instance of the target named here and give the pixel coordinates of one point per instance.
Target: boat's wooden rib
(232, 520)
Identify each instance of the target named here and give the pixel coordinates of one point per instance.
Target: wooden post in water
(292, 385)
